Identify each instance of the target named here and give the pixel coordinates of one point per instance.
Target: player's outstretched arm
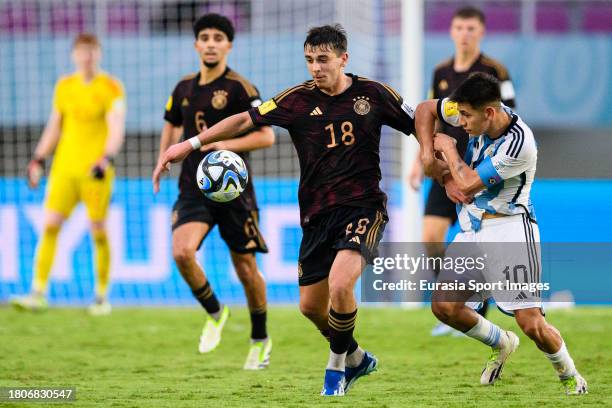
(257, 139)
(425, 121)
(227, 128)
(467, 179)
(44, 148)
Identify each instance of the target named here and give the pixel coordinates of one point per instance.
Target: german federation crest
(361, 106)
(219, 99)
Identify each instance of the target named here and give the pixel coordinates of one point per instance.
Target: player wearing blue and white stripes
(491, 188)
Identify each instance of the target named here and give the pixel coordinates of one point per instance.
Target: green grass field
(148, 357)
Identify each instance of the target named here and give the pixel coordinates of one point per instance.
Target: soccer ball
(222, 176)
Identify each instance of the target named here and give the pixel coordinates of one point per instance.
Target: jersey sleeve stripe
(519, 142)
(392, 91)
(248, 87)
(520, 146)
(513, 143)
(396, 95)
(444, 64)
(286, 91)
(289, 91)
(189, 76)
(501, 71)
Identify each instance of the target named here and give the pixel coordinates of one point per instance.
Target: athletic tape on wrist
(195, 143)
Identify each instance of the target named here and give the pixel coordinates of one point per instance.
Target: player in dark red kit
(200, 100)
(335, 123)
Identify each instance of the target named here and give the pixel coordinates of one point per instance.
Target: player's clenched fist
(443, 142)
(35, 171)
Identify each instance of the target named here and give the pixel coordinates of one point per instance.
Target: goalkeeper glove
(99, 169)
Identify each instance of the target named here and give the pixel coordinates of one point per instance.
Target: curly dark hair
(213, 20)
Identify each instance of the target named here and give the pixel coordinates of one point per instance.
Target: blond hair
(86, 39)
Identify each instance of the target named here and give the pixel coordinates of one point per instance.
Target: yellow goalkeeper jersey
(83, 107)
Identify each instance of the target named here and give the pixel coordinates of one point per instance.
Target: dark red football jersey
(446, 80)
(195, 106)
(337, 139)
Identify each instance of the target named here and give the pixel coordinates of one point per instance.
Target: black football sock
(258, 323)
(325, 333)
(353, 345)
(207, 299)
(341, 326)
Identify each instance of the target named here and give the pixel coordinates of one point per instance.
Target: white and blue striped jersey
(506, 165)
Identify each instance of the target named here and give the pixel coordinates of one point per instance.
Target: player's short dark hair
(327, 36)
(470, 12)
(479, 90)
(213, 20)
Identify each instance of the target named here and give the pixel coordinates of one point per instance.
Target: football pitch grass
(148, 357)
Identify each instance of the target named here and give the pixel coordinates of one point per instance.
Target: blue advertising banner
(143, 271)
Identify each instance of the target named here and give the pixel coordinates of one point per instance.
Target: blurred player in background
(493, 188)
(198, 101)
(87, 125)
(334, 121)
(467, 30)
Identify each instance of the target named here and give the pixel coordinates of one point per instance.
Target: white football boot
(495, 365)
(211, 334)
(258, 357)
(575, 385)
(100, 307)
(34, 302)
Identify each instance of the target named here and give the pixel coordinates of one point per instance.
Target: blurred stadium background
(559, 53)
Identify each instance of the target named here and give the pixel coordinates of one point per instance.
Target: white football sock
(488, 333)
(562, 362)
(355, 358)
(336, 361)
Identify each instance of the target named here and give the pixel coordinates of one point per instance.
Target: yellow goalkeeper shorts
(65, 191)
